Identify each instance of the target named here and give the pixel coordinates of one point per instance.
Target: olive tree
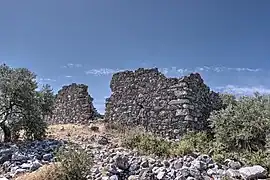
(243, 124)
(22, 107)
(228, 99)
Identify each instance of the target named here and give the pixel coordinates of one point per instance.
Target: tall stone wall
(73, 104)
(165, 106)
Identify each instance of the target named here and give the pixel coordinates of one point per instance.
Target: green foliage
(228, 99)
(46, 100)
(148, 144)
(21, 106)
(243, 126)
(193, 142)
(75, 163)
(254, 158)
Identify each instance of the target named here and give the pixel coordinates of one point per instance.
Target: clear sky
(85, 41)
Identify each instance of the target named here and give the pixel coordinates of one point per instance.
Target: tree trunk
(7, 132)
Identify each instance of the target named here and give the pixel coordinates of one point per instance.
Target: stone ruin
(73, 104)
(168, 107)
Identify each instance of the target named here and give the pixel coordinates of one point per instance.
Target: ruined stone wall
(73, 104)
(165, 106)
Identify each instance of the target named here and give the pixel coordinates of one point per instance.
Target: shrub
(150, 144)
(72, 163)
(116, 127)
(243, 126)
(193, 142)
(147, 143)
(228, 99)
(75, 163)
(254, 158)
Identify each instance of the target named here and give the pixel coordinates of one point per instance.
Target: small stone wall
(165, 106)
(73, 104)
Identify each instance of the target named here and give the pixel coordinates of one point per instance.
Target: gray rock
(7, 151)
(113, 169)
(114, 177)
(105, 178)
(3, 178)
(96, 170)
(195, 173)
(5, 157)
(145, 164)
(26, 166)
(19, 157)
(122, 162)
(180, 177)
(161, 175)
(166, 163)
(205, 158)
(233, 164)
(102, 140)
(254, 172)
(35, 166)
(184, 171)
(132, 177)
(232, 173)
(134, 167)
(47, 157)
(200, 165)
(177, 164)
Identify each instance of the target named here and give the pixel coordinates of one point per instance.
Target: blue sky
(85, 41)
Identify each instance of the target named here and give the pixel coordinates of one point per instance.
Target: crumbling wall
(165, 106)
(73, 104)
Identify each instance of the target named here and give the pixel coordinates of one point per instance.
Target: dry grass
(47, 172)
(74, 132)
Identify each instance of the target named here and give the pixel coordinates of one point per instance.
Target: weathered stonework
(73, 104)
(165, 106)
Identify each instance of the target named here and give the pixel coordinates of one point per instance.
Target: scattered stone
(231, 173)
(3, 178)
(121, 162)
(94, 128)
(47, 157)
(254, 172)
(111, 162)
(161, 175)
(114, 177)
(102, 140)
(233, 164)
(26, 157)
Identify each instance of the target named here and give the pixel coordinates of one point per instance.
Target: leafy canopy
(22, 107)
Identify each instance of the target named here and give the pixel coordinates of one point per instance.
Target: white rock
(232, 173)
(253, 172)
(114, 177)
(3, 178)
(25, 166)
(160, 175)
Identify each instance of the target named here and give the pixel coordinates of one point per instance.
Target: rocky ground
(17, 159)
(113, 162)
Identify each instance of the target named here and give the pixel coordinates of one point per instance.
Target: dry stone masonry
(165, 106)
(73, 104)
